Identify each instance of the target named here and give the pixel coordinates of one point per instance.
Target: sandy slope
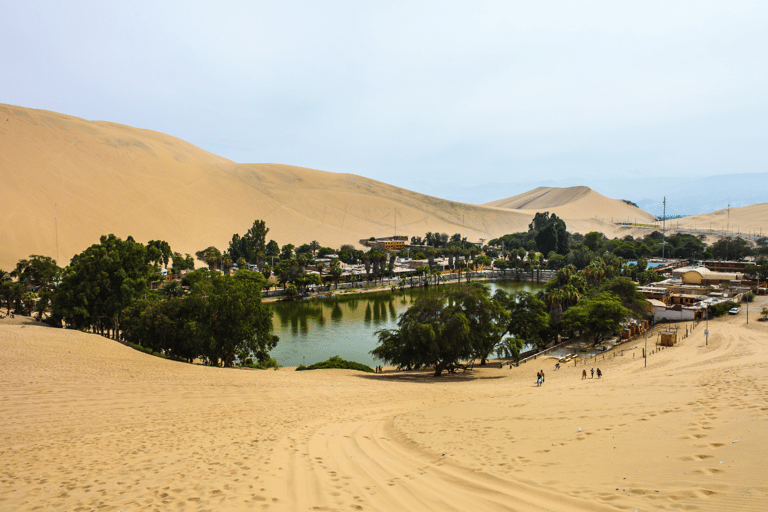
(747, 219)
(87, 424)
(108, 178)
(581, 207)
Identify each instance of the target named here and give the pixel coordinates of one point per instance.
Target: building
(390, 243)
(726, 266)
(705, 276)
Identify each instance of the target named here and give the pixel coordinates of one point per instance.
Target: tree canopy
(596, 317)
(220, 320)
(102, 282)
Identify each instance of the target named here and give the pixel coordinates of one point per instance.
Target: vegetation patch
(337, 363)
(145, 350)
(715, 310)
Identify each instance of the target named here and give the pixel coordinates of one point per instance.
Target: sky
(471, 101)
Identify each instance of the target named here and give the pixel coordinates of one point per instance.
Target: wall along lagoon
(314, 330)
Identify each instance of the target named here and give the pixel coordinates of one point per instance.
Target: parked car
(733, 311)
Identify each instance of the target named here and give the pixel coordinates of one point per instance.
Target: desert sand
(66, 181)
(575, 203)
(88, 424)
(751, 219)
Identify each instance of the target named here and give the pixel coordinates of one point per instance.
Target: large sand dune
(746, 219)
(579, 206)
(88, 424)
(82, 179)
(108, 178)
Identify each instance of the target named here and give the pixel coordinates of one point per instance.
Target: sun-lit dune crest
(73, 179)
(542, 197)
(575, 203)
(746, 219)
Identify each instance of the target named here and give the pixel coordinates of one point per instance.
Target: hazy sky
(431, 96)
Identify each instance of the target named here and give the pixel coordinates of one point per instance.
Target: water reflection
(305, 332)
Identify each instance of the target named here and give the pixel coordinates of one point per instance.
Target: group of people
(584, 373)
(540, 374)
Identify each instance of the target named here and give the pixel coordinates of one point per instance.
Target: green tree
(593, 241)
(487, 316)
(211, 256)
(627, 292)
(286, 253)
(102, 282)
(731, 248)
(164, 249)
(335, 271)
(528, 318)
(180, 262)
(757, 271)
(596, 317)
(429, 333)
(39, 275)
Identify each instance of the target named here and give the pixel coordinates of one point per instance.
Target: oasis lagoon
(314, 330)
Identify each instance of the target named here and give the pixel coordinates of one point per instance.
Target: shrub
(145, 350)
(263, 364)
(716, 310)
(748, 297)
(337, 363)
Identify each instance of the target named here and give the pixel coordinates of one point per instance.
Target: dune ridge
(575, 204)
(67, 181)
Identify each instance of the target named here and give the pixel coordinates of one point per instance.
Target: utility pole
(727, 228)
(706, 329)
(664, 228)
(646, 349)
(395, 221)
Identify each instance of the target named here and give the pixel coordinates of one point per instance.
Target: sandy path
(87, 424)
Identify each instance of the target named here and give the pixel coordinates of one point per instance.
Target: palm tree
(226, 264)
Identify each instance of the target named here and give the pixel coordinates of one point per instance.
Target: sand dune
(82, 179)
(86, 423)
(108, 178)
(576, 204)
(747, 219)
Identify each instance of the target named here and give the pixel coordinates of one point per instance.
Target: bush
(748, 297)
(337, 363)
(145, 350)
(716, 310)
(261, 365)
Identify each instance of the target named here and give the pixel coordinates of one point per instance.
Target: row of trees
(107, 289)
(443, 328)
(220, 319)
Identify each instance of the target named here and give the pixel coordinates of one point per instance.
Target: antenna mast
(664, 228)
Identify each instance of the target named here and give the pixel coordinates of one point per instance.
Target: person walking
(583, 374)
(542, 376)
(538, 379)
(593, 373)
(599, 373)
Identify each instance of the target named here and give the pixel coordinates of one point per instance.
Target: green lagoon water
(311, 331)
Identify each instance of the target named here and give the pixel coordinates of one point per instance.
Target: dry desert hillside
(578, 203)
(89, 424)
(80, 179)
